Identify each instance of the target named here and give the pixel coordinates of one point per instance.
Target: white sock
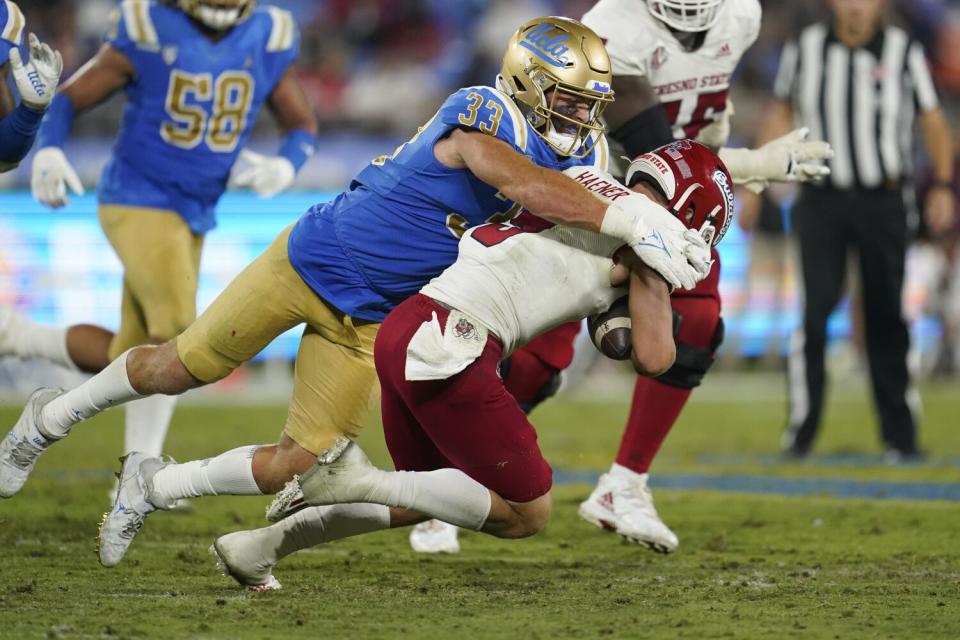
(620, 471)
(28, 339)
(229, 473)
(146, 424)
(316, 525)
(446, 494)
(107, 389)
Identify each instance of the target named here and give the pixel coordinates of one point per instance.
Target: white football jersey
(518, 281)
(692, 85)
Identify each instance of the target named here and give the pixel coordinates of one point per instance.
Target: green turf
(748, 567)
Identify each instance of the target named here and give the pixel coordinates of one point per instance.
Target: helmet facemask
(690, 16)
(217, 15)
(558, 116)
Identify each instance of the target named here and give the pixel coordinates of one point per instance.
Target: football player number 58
(220, 123)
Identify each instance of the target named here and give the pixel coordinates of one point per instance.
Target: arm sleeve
(17, 132)
(787, 72)
(488, 111)
(645, 132)
(925, 93)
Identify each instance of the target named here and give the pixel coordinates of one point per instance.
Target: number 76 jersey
(191, 104)
(691, 85)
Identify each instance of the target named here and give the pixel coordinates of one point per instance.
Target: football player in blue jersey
(195, 73)
(36, 80)
(346, 263)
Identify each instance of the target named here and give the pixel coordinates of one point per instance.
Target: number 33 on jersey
(192, 101)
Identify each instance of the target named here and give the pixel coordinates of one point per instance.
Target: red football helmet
(695, 182)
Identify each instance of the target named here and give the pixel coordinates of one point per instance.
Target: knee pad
(692, 362)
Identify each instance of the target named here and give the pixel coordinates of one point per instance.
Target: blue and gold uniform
(191, 105)
(11, 28)
(398, 225)
(344, 265)
(19, 127)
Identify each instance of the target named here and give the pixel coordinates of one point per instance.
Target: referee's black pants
(827, 223)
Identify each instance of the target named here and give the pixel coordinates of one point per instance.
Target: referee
(862, 86)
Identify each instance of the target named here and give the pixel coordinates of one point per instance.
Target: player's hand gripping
(266, 175)
(789, 158)
(36, 79)
(50, 177)
(680, 255)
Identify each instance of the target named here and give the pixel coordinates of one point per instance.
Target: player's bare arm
(268, 175)
(289, 105)
(651, 319)
(939, 205)
(103, 75)
(7, 102)
(548, 194)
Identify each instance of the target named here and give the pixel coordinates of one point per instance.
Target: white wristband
(618, 222)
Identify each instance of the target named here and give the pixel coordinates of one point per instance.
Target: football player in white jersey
(464, 450)
(672, 65)
(672, 61)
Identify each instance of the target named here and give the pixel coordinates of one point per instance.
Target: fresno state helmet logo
(720, 179)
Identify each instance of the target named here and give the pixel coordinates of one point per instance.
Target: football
(610, 330)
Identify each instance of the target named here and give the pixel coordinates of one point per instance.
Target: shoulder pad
(283, 29)
(488, 110)
(136, 22)
(11, 22)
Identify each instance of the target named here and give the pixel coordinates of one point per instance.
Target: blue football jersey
(398, 225)
(11, 28)
(191, 105)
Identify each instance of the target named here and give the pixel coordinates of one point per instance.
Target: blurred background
(376, 69)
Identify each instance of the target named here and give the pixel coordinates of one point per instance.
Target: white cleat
(24, 444)
(239, 556)
(287, 502)
(626, 507)
(343, 473)
(180, 506)
(434, 536)
(133, 504)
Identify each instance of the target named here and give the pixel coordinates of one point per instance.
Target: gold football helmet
(557, 71)
(218, 15)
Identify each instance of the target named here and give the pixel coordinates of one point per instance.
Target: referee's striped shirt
(862, 101)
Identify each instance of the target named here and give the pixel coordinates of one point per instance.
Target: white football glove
(37, 79)
(660, 240)
(789, 158)
(266, 175)
(52, 173)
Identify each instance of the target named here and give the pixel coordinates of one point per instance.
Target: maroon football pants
(468, 421)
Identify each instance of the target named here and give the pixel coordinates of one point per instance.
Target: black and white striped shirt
(862, 101)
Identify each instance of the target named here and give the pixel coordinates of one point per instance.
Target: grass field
(749, 565)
